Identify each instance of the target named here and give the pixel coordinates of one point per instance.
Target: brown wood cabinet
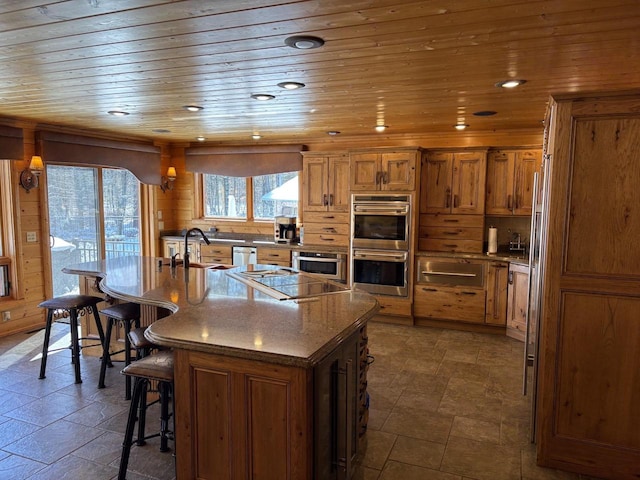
(384, 170)
(325, 182)
(518, 303)
(496, 285)
(451, 233)
(453, 182)
(509, 189)
(442, 302)
(216, 254)
(274, 256)
(589, 383)
(327, 229)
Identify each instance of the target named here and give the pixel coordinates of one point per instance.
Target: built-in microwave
(380, 221)
(328, 265)
(381, 272)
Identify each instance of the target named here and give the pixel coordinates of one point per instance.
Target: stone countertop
(496, 257)
(218, 314)
(245, 242)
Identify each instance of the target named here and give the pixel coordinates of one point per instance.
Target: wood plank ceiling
(416, 66)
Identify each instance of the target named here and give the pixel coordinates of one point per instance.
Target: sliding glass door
(94, 213)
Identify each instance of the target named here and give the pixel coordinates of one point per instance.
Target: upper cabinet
(453, 182)
(393, 170)
(510, 181)
(325, 182)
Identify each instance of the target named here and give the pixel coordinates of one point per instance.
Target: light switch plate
(32, 237)
(160, 225)
(159, 214)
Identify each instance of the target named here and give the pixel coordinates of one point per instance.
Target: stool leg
(127, 357)
(139, 390)
(106, 356)
(165, 394)
(142, 412)
(96, 317)
(45, 345)
(75, 342)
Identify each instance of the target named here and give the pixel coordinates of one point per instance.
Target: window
(94, 213)
(6, 230)
(270, 196)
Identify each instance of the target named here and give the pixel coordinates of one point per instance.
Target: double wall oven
(380, 239)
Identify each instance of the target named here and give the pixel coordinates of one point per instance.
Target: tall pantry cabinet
(589, 376)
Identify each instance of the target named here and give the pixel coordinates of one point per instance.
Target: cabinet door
(497, 281)
(437, 170)
(398, 170)
(518, 294)
(339, 184)
(468, 184)
(527, 163)
(314, 184)
(500, 174)
(365, 171)
(170, 248)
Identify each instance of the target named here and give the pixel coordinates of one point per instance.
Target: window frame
(199, 200)
(8, 232)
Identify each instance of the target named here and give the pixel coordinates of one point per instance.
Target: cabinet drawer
(326, 229)
(476, 221)
(394, 306)
(274, 256)
(326, 239)
(214, 259)
(450, 245)
(461, 233)
(325, 217)
(215, 251)
(449, 303)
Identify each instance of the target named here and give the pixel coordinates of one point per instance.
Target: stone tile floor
(445, 405)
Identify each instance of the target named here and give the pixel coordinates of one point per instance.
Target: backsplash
(507, 226)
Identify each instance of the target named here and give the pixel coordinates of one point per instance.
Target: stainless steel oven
(381, 272)
(328, 265)
(380, 221)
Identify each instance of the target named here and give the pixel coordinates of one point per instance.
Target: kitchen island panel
(239, 418)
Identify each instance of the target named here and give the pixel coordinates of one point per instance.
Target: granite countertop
(216, 313)
(259, 242)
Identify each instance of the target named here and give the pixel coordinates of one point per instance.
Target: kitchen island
(266, 387)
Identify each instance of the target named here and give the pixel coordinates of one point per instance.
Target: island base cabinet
(241, 419)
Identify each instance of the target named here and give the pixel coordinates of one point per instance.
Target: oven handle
(397, 257)
(320, 259)
(381, 209)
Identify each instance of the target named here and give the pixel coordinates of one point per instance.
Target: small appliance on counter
(285, 229)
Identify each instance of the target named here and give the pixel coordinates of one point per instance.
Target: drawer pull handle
(451, 233)
(453, 274)
(468, 293)
(429, 289)
(451, 220)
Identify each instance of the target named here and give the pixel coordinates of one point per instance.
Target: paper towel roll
(493, 240)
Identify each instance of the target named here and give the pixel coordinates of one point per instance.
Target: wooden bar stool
(74, 306)
(128, 315)
(156, 367)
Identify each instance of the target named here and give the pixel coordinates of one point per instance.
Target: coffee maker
(285, 229)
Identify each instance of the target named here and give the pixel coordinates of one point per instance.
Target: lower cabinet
(216, 254)
(274, 256)
(497, 283)
(239, 418)
(517, 306)
(441, 302)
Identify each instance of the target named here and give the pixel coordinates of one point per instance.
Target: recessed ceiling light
(510, 83)
(291, 85)
(262, 96)
(333, 132)
(193, 108)
(460, 126)
(256, 136)
(304, 42)
(484, 113)
(381, 128)
(117, 113)
(200, 139)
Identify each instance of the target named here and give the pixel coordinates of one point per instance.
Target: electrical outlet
(6, 316)
(32, 237)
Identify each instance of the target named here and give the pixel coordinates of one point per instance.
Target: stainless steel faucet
(185, 258)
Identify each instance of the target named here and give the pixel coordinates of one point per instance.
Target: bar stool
(157, 367)
(127, 314)
(140, 343)
(74, 305)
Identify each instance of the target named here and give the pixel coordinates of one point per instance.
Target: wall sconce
(168, 179)
(29, 176)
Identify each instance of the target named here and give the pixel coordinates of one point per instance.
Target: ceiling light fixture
(291, 85)
(460, 126)
(193, 108)
(262, 96)
(200, 139)
(304, 42)
(118, 113)
(333, 132)
(256, 136)
(510, 83)
(381, 128)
